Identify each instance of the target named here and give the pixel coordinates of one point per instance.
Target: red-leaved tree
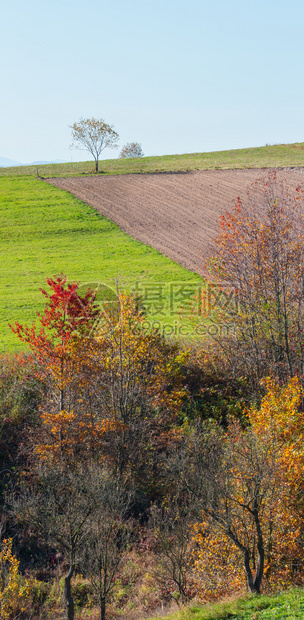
(60, 341)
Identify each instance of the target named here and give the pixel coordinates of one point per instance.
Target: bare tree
(172, 529)
(58, 505)
(93, 135)
(84, 512)
(108, 532)
(131, 149)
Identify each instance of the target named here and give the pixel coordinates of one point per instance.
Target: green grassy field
(276, 156)
(288, 605)
(46, 231)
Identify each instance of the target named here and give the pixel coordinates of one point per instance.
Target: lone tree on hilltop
(132, 149)
(93, 135)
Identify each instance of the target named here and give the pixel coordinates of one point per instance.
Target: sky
(176, 76)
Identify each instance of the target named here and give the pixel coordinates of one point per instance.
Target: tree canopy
(94, 135)
(259, 255)
(131, 149)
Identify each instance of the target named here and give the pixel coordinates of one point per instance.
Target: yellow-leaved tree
(251, 498)
(14, 590)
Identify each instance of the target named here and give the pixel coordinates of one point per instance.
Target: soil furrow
(177, 214)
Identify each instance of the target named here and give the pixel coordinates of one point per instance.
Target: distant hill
(10, 163)
(42, 163)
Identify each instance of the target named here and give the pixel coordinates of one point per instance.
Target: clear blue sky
(175, 75)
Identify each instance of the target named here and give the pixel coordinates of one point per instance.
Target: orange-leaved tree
(234, 479)
(280, 417)
(257, 260)
(218, 564)
(115, 389)
(135, 399)
(62, 346)
(250, 491)
(141, 385)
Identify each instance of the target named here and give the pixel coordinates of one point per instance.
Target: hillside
(45, 232)
(287, 605)
(120, 447)
(275, 156)
(177, 214)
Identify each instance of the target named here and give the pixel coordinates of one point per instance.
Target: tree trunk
(67, 594)
(254, 583)
(250, 581)
(260, 553)
(96, 164)
(260, 566)
(102, 608)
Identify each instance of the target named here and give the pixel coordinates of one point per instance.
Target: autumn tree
(56, 503)
(114, 388)
(83, 512)
(258, 258)
(62, 344)
(108, 534)
(250, 488)
(94, 135)
(234, 480)
(280, 417)
(59, 342)
(217, 563)
(141, 387)
(14, 591)
(171, 524)
(131, 149)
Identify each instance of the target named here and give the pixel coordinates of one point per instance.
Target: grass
(287, 605)
(46, 231)
(275, 156)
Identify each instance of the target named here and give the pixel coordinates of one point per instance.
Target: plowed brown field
(175, 213)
